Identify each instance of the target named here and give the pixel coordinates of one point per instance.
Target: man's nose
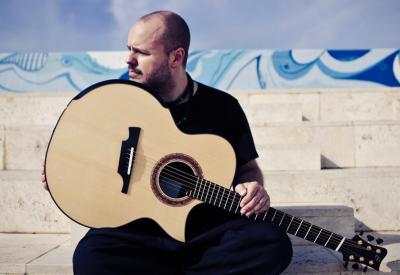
(131, 58)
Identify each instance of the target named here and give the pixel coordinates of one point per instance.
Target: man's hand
(255, 199)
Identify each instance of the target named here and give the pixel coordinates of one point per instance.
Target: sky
(102, 25)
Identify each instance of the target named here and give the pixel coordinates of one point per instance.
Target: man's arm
(255, 198)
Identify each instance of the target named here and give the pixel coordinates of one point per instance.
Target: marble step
(52, 254)
(32, 108)
(27, 208)
(361, 144)
(347, 104)
(274, 113)
(371, 192)
(289, 157)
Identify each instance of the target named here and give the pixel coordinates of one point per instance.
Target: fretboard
(229, 200)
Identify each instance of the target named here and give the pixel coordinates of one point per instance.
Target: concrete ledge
(273, 112)
(51, 254)
(26, 206)
(26, 146)
(32, 108)
(309, 102)
(2, 147)
(346, 104)
(289, 157)
(18, 250)
(371, 192)
(361, 144)
(335, 218)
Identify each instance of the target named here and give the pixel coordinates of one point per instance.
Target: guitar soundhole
(175, 179)
(174, 175)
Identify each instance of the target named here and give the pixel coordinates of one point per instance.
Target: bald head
(174, 32)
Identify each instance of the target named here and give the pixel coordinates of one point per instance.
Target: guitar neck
(229, 200)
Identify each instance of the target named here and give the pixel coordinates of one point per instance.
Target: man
(217, 243)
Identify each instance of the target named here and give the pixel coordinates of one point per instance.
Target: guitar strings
(235, 203)
(177, 188)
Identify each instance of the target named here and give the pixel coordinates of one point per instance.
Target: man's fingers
(241, 189)
(251, 193)
(249, 207)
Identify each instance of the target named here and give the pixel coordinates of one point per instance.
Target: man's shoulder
(216, 95)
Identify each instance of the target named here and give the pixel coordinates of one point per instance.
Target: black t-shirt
(211, 111)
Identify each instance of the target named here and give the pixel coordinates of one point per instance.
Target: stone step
(361, 144)
(335, 218)
(23, 147)
(52, 254)
(347, 104)
(284, 157)
(359, 104)
(32, 108)
(371, 192)
(274, 113)
(25, 206)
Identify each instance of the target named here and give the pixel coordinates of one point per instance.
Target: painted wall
(224, 69)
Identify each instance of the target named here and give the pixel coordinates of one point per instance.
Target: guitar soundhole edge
(172, 176)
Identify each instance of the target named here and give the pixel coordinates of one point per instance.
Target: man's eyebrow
(137, 49)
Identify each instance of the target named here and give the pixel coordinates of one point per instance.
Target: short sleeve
(242, 138)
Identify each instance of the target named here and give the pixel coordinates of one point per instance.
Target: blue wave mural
(224, 69)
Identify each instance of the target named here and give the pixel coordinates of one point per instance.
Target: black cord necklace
(180, 107)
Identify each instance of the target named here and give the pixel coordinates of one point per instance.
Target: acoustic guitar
(116, 155)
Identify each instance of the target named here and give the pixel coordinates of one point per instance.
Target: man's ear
(176, 57)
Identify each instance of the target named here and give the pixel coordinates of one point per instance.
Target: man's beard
(160, 80)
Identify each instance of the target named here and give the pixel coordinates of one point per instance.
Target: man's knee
(85, 260)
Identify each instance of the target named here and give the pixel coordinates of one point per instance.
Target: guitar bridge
(127, 157)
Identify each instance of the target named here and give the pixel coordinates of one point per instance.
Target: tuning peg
(355, 266)
(379, 241)
(370, 238)
(361, 233)
(345, 264)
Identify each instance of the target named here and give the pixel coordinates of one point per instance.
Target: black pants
(237, 247)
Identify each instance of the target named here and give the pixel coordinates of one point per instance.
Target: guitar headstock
(360, 251)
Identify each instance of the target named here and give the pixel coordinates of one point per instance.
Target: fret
(205, 186)
(201, 185)
(303, 229)
(282, 219)
(322, 238)
(237, 207)
(287, 229)
(298, 228)
(195, 187)
(274, 215)
(315, 241)
(216, 196)
(340, 244)
(265, 215)
(219, 205)
(233, 199)
(226, 201)
(212, 193)
(334, 241)
(308, 231)
(328, 239)
(312, 234)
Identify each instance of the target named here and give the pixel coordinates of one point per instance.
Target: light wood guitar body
(84, 152)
